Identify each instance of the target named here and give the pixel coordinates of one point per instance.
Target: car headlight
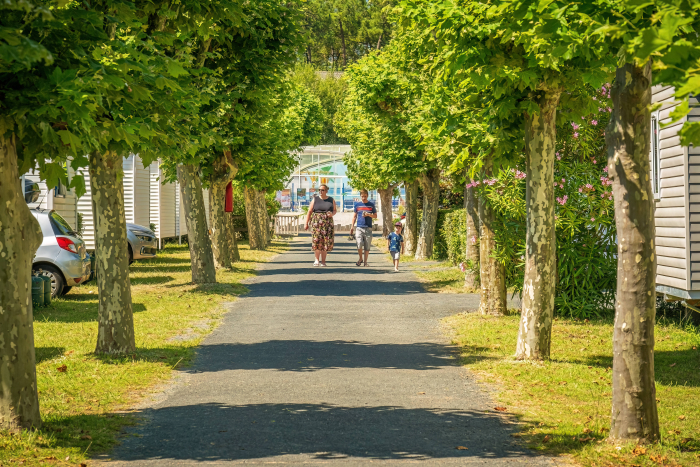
(144, 238)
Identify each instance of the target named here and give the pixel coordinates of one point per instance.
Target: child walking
(395, 244)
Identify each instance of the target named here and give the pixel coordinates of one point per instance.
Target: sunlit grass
(564, 404)
(81, 403)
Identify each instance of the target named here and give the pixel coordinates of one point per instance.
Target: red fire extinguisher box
(229, 197)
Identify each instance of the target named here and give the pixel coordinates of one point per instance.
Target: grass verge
(564, 404)
(85, 398)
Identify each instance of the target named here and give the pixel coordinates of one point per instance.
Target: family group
(320, 219)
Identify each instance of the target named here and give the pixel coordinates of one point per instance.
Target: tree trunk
(535, 334)
(220, 238)
(255, 234)
(385, 204)
(491, 273)
(223, 172)
(379, 41)
(342, 41)
(115, 331)
(431, 202)
(264, 218)
(634, 414)
(201, 255)
(471, 206)
(20, 236)
(232, 240)
(411, 229)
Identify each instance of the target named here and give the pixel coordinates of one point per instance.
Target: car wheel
(58, 283)
(131, 255)
(66, 289)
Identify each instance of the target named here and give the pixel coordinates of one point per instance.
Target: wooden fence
(287, 224)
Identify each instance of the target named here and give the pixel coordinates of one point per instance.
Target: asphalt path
(342, 365)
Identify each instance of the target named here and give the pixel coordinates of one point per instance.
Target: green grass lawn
(564, 404)
(85, 398)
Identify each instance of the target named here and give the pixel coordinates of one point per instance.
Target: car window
(60, 226)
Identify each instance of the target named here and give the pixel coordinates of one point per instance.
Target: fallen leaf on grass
(585, 440)
(86, 437)
(500, 409)
(62, 369)
(638, 451)
(658, 459)
(547, 439)
(52, 458)
(681, 417)
(83, 465)
(421, 393)
(576, 411)
(674, 432)
(461, 448)
(686, 440)
(586, 430)
(672, 365)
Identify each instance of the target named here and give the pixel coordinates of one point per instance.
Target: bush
(454, 236)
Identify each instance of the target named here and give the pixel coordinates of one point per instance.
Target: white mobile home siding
(671, 212)
(136, 191)
(163, 206)
(693, 155)
(65, 206)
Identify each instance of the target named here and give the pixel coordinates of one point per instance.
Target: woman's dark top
(323, 205)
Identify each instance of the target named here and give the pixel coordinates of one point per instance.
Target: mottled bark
(385, 195)
(232, 237)
(115, 319)
(410, 233)
(634, 413)
(537, 314)
(471, 206)
(201, 255)
(20, 236)
(223, 172)
(263, 217)
(255, 235)
(431, 202)
(492, 274)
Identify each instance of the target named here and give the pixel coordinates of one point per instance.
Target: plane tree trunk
(115, 329)
(263, 217)
(410, 234)
(223, 172)
(634, 412)
(385, 204)
(20, 236)
(471, 206)
(255, 234)
(491, 273)
(431, 202)
(233, 239)
(537, 315)
(201, 255)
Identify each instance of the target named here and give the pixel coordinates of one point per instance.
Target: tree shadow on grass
(671, 367)
(153, 280)
(215, 432)
(47, 353)
(75, 311)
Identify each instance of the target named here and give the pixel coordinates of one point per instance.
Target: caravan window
(655, 158)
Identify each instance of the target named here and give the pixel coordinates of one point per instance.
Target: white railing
(287, 224)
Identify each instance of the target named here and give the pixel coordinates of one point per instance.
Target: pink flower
(589, 186)
(594, 161)
(474, 239)
(602, 195)
(462, 267)
(605, 169)
(561, 186)
(575, 134)
(594, 98)
(575, 126)
(558, 158)
(592, 219)
(599, 109)
(594, 122)
(610, 199)
(609, 109)
(557, 153)
(563, 180)
(563, 200)
(580, 190)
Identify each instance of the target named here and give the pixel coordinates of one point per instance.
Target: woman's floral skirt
(322, 231)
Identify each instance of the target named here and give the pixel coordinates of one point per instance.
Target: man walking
(364, 213)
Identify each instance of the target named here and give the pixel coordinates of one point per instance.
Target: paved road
(342, 365)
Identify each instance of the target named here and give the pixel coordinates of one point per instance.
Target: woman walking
(321, 212)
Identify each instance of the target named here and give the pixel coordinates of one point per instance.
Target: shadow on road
(212, 432)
